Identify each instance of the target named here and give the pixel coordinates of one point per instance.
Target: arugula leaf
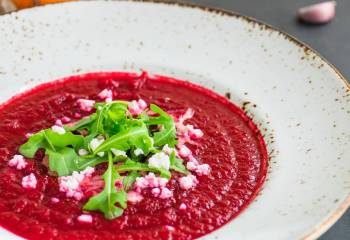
(81, 124)
(117, 111)
(106, 200)
(90, 162)
(34, 143)
(137, 166)
(136, 136)
(129, 180)
(167, 135)
(176, 164)
(63, 161)
(63, 140)
(163, 172)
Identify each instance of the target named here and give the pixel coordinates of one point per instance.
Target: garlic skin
(318, 13)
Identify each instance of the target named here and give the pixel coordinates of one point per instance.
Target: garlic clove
(318, 13)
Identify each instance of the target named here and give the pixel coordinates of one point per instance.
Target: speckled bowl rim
(324, 226)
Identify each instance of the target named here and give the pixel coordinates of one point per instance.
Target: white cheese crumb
(188, 182)
(118, 153)
(134, 197)
(194, 133)
(29, 182)
(71, 184)
(138, 151)
(18, 162)
(58, 129)
(191, 166)
(184, 151)
(165, 193)
(100, 154)
(159, 160)
(66, 119)
(59, 123)
(83, 152)
(95, 143)
(169, 228)
(137, 107)
(85, 218)
(55, 200)
(85, 104)
(168, 150)
(149, 181)
(203, 169)
(183, 206)
(155, 192)
(106, 94)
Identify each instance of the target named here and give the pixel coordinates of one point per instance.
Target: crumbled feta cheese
(159, 160)
(86, 104)
(165, 193)
(87, 172)
(169, 228)
(100, 154)
(186, 132)
(162, 182)
(194, 133)
(59, 123)
(77, 115)
(55, 200)
(83, 152)
(184, 151)
(137, 107)
(203, 169)
(29, 182)
(117, 152)
(191, 158)
(162, 193)
(18, 162)
(134, 107)
(183, 206)
(149, 181)
(134, 197)
(191, 166)
(140, 184)
(152, 180)
(66, 119)
(105, 94)
(168, 150)
(142, 104)
(138, 151)
(95, 143)
(109, 100)
(188, 182)
(85, 218)
(58, 129)
(155, 192)
(188, 115)
(71, 184)
(28, 135)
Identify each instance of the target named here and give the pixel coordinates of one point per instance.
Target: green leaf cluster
(121, 131)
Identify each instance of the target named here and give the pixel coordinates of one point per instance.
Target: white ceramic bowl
(299, 100)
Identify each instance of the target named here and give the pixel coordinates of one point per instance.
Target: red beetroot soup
(231, 145)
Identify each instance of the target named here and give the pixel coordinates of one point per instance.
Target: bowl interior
(299, 101)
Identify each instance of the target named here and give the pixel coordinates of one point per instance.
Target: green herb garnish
(121, 135)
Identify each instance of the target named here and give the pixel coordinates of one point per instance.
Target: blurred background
(331, 40)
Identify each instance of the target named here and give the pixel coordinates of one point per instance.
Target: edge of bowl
(326, 224)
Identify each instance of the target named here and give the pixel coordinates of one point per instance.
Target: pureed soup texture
(125, 156)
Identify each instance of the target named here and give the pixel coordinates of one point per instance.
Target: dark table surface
(331, 40)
